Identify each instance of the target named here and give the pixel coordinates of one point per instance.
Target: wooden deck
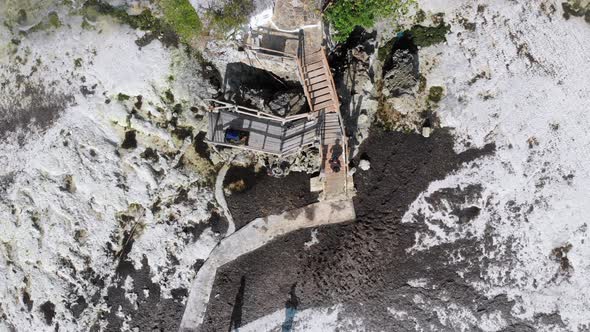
(265, 134)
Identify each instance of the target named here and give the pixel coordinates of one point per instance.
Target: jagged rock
(360, 54)
(364, 165)
(403, 74)
(260, 89)
(366, 110)
(307, 161)
(288, 102)
(68, 184)
(363, 121)
(405, 104)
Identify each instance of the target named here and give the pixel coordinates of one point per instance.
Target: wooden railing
(255, 112)
(332, 84)
(278, 53)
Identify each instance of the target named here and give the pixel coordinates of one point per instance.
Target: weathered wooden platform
(267, 133)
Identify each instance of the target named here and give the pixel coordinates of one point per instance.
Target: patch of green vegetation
(52, 21)
(435, 93)
(574, 8)
(421, 83)
(78, 62)
(86, 25)
(122, 97)
(426, 36)
(234, 14)
(420, 16)
(346, 15)
(179, 22)
(144, 21)
(169, 96)
(384, 51)
(420, 36)
(177, 109)
(183, 18)
(22, 16)
(182, 132)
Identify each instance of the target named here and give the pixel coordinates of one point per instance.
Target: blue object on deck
(232, 135)
(235, 136)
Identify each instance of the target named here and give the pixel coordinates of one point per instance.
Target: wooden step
(309, 62)
(331, 124)
(316, 72)
(333, 131)
(332, 109)
(331, 140)
(317, 79)
(313, 57)
(321, 98)
(324, 104)
(319, 93)
(313, 60)
(332, 127)
(319, 86)
(315, 66)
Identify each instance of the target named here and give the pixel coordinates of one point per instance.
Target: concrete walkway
(220, 198)
(251, 237)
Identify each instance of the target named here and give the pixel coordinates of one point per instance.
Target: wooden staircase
(320, 90)
(318, 82)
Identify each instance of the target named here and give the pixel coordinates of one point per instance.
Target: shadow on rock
(364, 265)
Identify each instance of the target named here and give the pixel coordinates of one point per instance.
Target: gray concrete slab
(253, 236)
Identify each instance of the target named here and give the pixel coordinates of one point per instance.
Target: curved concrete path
(253, 236)
(220, 198)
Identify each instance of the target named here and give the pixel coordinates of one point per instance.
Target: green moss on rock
(427, 36)
(422, 83)
(22, 16)
(145, 21)
(183, 18)
(420, 16)
(168, 96)
(576, 8)
(385, 50)
(122, 97)
(435, 93)
(52, 21)
(234, 14)
(346, 15)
